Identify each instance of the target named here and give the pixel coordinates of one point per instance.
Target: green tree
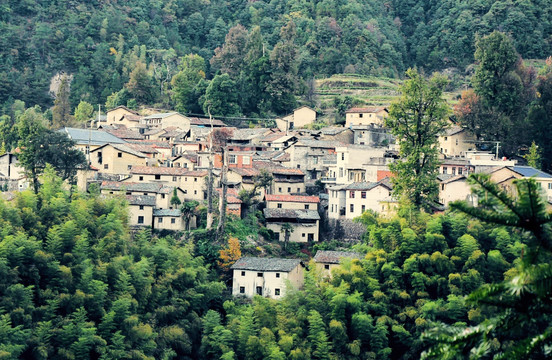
(511, 330)
(221, 99)
(186, 81)
(416, 119)
(61, 112)
(175, 200)
(140, 85)
(83, 112)
(533, 156)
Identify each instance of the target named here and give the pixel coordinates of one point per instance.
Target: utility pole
(210, 215)
(222, 201)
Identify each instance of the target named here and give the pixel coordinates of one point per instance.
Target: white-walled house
(350, 201)
(265, 276)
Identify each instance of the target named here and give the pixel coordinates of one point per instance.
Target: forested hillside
(101, 43)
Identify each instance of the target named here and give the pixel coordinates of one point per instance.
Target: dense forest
(283, 44)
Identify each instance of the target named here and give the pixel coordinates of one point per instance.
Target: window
(327, 267)
(140, 219)
(195, 192)
(195, 179)
(173, 221)
(277, 275)
(162, 196)
(242, 289)
(303, 235)
(453, 171)
(445, 169)
(232, 159)
(306, 206)
(259, 290)
(363, 208)
(446, 138)
(342, 156)
(157, 177)
(291, 125)
(298, 190)
(106, 166)
(351, 194)
(174, 178)
(460, 171)
(277, 292)
(246, 160)
(315, 160)
(120, 154)
(141, 178)
(129, 167)
(279, 206)
(352, 208)
(363, 194)
(141, 207)
(298, 166)
(280, 189)
(360, 115)
(259, 274)
(456, 141)
(289, 189)
(549, 186)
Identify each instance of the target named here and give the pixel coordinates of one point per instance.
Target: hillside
(100, 43)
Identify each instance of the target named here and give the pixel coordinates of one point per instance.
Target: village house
(166, 120)
(123, 133)
(140, 209)
(88, 139)
(168, 219)
(162, 193)
(307, 155)
(351, 200)
(455, 166)
(304, 224)
(266, 277)
(337, 133)
(116, 158)
(11, 174)
(296, 202)
(366, 116)
(287, 181)
(357, 163)
(248, 137)
(453, 188)
(121, 115)
(277, 141)
(233, 203)
(505, 176)
(301, 117)
(327, 260)
(371, 135)
(240, 159)
(184, 160)
(241, 178)
(456, 141)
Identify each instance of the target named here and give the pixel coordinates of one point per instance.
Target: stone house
(456, 141)
(120, 116)
(350, 201)
(140, 208)
(300, 118)
(305, 224)
(168, 219)
(266, 277)
(454, 187)
(166, 120)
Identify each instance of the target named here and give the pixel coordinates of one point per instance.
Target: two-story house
(267, 277)
(116, 158)
(351, 200)
(300, 211)
(366, 116)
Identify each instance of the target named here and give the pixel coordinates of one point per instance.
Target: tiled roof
(131, 186)
(293, 198)
(205, 122)
(146, 200)
(153, 143)
(245, 171)
(325, 144)
(191, 157)
(286, 171)
(333, 130)
(528, 171)
(125, 148)
(197, 173)
(248, 134)
(453, 179)
(167, 212)
(231, 196)
(160, 115)
(364, 185)
(298, 214)
(94, 137)
(273, 136)
(266, 264)
(123, 107)
(359, 110)
(334, 257)
(453, 130)
(158, 170)
(124, 133)
(146, 149)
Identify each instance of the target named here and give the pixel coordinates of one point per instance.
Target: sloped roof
(298, 214)
(123, 148)
(359, 110)
(245, 171)
(146, 200)
(266, 264)
(94, 137)
(453, 178)
(293, 198)
(161, 115)
(158, 170)
(335, 257)
(453, 130)
(167, 212)
(131, 186)
(124, 133)
(528, 171)
(286, 171)
(195, 121)
(123, 107)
